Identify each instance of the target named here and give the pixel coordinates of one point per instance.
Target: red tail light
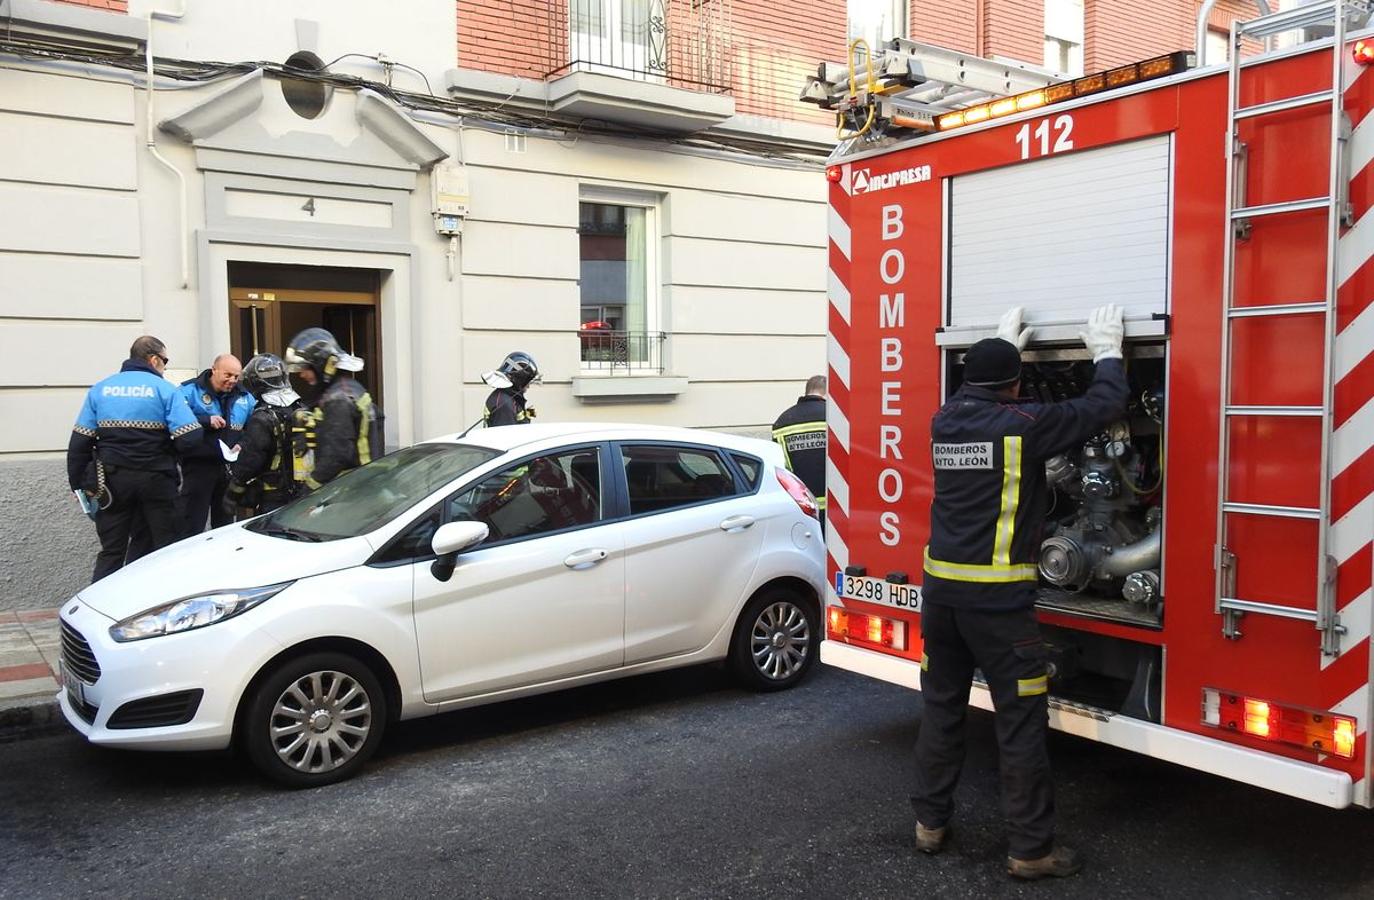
(799, 492)
(1324, 732)
(848, 626)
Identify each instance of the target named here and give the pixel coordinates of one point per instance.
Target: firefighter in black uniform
(261, 479)
(506, 402)
(801, 432)
(341, 431)
(989, 451)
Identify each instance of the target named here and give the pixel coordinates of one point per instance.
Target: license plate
(76, 689)
(877, 590)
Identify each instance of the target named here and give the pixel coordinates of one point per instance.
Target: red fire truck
(1205, 572)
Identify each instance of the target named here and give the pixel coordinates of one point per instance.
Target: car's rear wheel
(775, 641)
(315, 720)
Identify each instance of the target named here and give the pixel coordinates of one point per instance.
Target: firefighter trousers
(1008, 649)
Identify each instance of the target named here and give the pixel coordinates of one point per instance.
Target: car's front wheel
(315, 720)
(775, 641)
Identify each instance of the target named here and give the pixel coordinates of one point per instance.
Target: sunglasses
(164, 359)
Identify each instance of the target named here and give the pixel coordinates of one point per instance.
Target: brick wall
(951, 23)
(776, 44)
(111, 5)
(1015, 29)
(512, 37)
(1116, 32)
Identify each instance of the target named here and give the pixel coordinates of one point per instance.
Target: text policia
(891, 318)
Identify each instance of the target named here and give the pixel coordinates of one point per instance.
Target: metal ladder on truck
(908, 84)
(1239, 216)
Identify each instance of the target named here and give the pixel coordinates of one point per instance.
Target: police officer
(221, 407)
(340, 432)
(801, 432)
(261, 478)
(989, 451)
(506, 402)
(123, 454)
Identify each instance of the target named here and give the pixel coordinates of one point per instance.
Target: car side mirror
(452, 539)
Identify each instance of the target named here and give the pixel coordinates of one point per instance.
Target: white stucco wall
(90, 257)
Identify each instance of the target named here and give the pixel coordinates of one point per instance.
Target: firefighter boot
(1061, 862)
(931, 840)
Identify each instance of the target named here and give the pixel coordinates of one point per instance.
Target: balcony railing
(622, 352)
(680, 43)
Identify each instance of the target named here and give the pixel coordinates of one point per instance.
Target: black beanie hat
(992, 363)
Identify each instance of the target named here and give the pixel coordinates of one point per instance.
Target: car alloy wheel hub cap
(320, 721)
(781, 640)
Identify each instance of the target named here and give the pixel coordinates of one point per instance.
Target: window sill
(623, 388)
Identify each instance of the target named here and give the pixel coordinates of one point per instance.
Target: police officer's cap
(992, 363)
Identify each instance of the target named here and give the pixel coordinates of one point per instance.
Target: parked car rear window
(752, 468)
(370, 496)
(662, 478)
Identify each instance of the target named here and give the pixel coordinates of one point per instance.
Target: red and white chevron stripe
(837, 361)
(1352, 444)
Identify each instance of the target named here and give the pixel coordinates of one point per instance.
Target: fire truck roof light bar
(1149, 69)
(1265, 509)
(1274, 209)
(1264, 109)
(1288, 20)
(1277, 309)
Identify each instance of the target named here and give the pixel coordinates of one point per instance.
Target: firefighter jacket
(339, 434)
(135, 419)
(991, 499)
(506, 406)
(263, 474)
(233, 406)
(801, 432)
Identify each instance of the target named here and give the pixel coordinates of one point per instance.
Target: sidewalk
(30, 644)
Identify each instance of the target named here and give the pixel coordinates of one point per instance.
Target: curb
(30, 717)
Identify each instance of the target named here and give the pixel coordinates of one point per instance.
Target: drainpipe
(151, 141)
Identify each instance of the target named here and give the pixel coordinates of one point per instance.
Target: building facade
(629, 191)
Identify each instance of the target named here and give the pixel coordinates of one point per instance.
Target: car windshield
(369, 497)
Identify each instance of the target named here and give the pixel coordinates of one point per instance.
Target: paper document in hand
(230, 454)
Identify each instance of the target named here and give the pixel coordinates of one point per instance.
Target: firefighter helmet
(265, 378)
(316, 348)
(518, 370)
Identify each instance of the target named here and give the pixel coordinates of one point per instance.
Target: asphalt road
(675, 785)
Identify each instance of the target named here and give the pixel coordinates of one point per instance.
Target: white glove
(1104, 333)
(1009, 328)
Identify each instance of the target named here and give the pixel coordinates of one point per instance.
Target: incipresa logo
(865, 182)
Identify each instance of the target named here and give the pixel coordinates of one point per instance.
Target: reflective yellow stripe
(804, 428)
(980, 574)
(820, 502)
(1029, 687)
(1011, 498)
(925, 663)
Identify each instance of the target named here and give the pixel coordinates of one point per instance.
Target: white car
(460, 571)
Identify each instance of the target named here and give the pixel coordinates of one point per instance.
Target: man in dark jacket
(123, 454)
(978, 596)
(221, 407)
(506, 403)
(341, 431)
(801, 432)
(261, 478)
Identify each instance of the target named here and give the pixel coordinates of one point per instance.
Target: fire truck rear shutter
(1062, 235)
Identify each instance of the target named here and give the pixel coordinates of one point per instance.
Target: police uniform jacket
(134, 419)
(505, 406)
(991, 500)
(346, 429)
(233, 406)
(801, 432)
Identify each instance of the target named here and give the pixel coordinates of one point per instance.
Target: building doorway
(270, 304)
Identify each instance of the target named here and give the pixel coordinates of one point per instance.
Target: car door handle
(584, 559)
(736, 523)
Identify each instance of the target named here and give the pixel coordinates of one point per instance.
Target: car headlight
(192, 612)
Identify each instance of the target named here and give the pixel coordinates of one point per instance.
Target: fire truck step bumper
(1305, 781)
